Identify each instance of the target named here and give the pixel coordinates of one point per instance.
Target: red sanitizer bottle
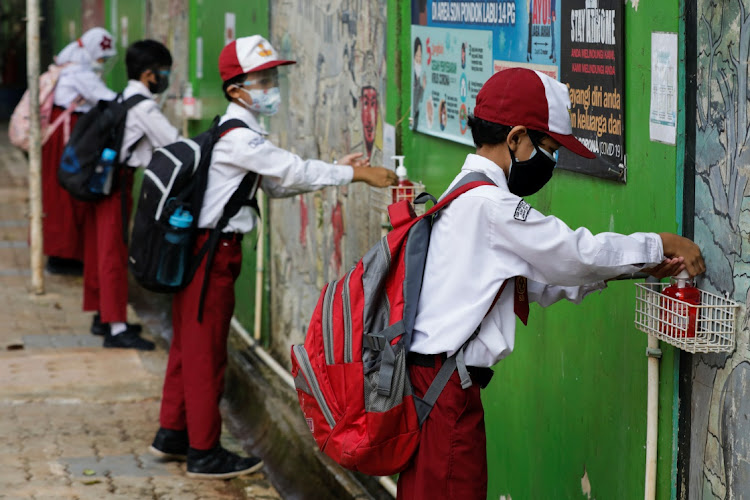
(680, 318)
(405, 189)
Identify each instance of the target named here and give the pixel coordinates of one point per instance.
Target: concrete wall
(720, 410)
(340, 48)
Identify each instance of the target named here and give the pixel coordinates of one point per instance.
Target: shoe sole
(227, 475)
(166, 456)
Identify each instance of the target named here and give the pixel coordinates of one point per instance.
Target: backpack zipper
(328, 322)
(348, 349)
(306, 367)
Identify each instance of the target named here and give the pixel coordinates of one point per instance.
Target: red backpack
(351, 373)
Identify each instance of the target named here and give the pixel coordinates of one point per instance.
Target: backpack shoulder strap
(230, 125)
(467, 183)
(133, 100)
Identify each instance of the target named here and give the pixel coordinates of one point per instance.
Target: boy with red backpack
(493, 236)
(190, 419)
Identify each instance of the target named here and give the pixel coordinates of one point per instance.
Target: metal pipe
(35, 147)
(652, 416)
(386, 482)
(652, 412)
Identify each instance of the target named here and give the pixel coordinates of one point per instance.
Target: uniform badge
(522, 211)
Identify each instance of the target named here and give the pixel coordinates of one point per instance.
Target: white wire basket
(384, 197)
(710, 328)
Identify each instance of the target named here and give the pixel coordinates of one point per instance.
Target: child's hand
(676, 246)
(375, 176)
(668, 267)
(355, 160)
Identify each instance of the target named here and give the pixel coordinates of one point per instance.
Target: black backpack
(175, 180)
(101, 127)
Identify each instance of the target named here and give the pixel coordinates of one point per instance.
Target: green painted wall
(207, 22)
(572, 397)
(115, 12)
(66, 17)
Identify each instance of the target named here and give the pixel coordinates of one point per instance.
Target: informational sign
(230, 22)
(663, 115)
(458, 44)
(592, 67)
(124, 31)
(449, 68)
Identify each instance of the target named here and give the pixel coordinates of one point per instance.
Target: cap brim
(271, 64)
(572, 144)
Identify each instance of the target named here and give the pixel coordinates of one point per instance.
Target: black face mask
(161, 84)
(529, 176)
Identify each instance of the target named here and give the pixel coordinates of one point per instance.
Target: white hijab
(94, 44)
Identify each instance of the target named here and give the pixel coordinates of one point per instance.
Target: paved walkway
(76, 419)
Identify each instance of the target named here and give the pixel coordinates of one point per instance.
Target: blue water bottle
(101, 181)
(175, 252)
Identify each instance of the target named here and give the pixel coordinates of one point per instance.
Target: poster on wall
(592, 67)
(457, 45)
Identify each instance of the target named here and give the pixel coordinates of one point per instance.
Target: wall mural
(720, 418)
(318, 236)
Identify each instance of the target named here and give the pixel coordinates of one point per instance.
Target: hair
(145, 55)
(486, 132)
(417, 44)
(235, 80)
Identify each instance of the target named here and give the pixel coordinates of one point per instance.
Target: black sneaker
(128, 340)
(67, 267)
(101, 329)
(170, 445)
(219, 463)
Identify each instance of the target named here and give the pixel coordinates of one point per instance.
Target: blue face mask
(264, 101)
(529, 176)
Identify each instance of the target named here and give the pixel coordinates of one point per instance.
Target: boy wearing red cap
(490, 233)
(190, 419)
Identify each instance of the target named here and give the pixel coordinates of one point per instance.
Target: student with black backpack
(105, 284)
(190, 419)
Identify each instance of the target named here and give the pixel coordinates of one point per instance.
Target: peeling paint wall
(720, 410)
(333, 104)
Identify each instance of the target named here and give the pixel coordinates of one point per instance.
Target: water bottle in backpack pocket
(174, 256)
(101, 181)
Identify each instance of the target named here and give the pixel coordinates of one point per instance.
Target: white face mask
(97, 67)
(263, 101)
(418, 69)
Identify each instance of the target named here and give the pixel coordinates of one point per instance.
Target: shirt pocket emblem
(522, 211)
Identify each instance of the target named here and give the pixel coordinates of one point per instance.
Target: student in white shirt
(105, 283)
(78, 89)
(190, 420)
(488, 237)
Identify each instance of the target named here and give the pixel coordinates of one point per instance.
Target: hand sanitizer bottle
(680, 317)
(405, 189)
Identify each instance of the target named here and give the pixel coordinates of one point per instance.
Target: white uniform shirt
(488, 235)
(284, 173)
(79, 80)
(145, 121)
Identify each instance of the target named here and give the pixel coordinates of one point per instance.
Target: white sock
(117, 328)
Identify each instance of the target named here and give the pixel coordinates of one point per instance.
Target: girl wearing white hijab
(78, 89)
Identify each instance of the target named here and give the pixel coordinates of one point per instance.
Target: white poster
(229, 23)
(389, 145)
(199, 57)
(124, 31)
(663, 115)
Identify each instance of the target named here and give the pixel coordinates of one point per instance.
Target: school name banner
(457, 45)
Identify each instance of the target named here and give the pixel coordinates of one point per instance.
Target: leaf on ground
(89, 472)
(93, 481)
